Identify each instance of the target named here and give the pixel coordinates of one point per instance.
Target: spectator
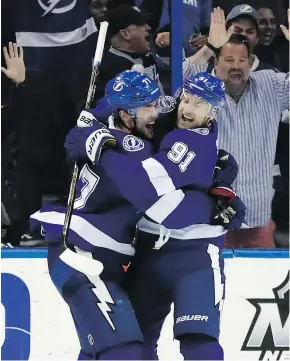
(272, 47)
(267, 26)
(128, 34)
(248, 125)
(271, 55)
(99, 9)
(58, 39)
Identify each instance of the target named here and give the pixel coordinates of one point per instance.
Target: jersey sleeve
(153, 185)
(130, 178)
(133, 183)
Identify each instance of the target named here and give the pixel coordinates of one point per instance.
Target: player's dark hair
(237, 39)
(117, 120)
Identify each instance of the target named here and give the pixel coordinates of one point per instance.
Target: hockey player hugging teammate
(180, 237)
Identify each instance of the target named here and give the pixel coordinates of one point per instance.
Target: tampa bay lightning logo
(246, 9)
(132, 143)
(56, 6)
(165, 104)
(118, 86)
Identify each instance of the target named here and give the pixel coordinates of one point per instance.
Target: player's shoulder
(187, 136)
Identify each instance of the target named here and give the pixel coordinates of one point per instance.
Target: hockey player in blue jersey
(102, 229)
(189, 261)
(182, 264)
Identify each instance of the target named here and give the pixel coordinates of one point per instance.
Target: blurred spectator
(267, 26)
(58, 39)
(99, 9)
(128, 34)
(248, 125)
(272, 48)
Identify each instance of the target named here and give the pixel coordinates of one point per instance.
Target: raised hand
(283, 27)
(14, 62)
(218, 35)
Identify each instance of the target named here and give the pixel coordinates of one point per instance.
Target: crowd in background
(58, 41)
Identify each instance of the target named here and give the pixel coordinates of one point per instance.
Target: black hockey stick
(90, 97)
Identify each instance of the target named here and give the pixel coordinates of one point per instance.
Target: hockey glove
(226, 169)
(230, 210)
(88, 139)
(231, 217)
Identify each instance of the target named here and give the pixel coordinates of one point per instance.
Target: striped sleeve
(147, 185)
(190, 69)
(141, 183)
(282, 90)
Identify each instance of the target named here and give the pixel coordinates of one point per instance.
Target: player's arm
(175, 166)
(143, 183)
(156, 198)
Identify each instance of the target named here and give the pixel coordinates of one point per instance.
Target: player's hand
(218, 35)
(226, 169)
(283, 27)
(14, 62)
(231, 217)
(83, 143)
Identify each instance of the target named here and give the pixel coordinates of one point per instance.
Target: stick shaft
(90, 97)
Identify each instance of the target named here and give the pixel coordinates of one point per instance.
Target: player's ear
(126, 119)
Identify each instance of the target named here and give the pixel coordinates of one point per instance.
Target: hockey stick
(90, 96)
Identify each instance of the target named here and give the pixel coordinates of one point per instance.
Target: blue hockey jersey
(155, 185)
(105, 215)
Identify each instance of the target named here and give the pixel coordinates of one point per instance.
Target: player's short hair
(237, 39)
